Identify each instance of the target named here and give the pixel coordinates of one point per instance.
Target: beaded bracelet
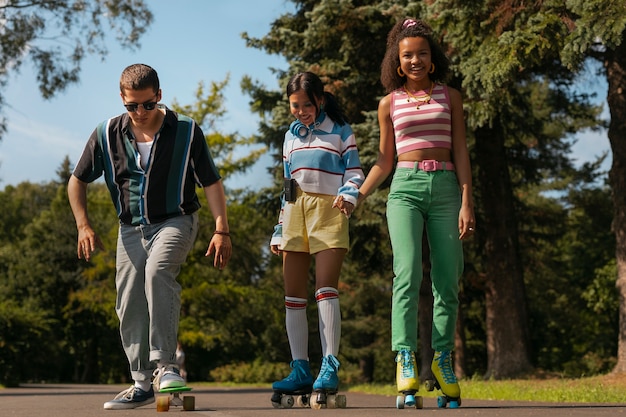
(219, 232)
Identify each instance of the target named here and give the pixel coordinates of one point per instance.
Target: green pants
(419, 201)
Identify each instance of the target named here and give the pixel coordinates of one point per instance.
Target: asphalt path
(43, 400)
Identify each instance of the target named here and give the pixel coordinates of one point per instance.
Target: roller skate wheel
(330, 402)
(400, 402)
(286, 401)
(341, 401)
(430, 385)
(455, 403)
(275, 404)
(336, 401)
(163, 403)
(189, 403)
(442, 401)
(314, 404)
(419, 402)
(302, 401)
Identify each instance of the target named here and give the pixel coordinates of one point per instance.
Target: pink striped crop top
(430, 126)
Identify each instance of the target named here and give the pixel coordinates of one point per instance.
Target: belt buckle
(429, 165)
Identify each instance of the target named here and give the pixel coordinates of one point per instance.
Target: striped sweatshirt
(427, 127)
(324, 161)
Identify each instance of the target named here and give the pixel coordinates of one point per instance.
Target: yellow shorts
(311, 224)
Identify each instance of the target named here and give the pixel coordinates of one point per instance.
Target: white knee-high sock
(329, 318)
(297, 327)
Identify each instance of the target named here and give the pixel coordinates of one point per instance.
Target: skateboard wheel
(189, 403)
(163, 403)
(286, 401)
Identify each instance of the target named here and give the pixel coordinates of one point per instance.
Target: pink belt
(427, 165)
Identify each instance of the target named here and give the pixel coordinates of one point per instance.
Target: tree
(226, 149)
(57, 35)
(615, 64)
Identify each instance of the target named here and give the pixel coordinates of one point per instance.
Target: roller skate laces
(406, 371)
(327, 378)
(407, 380)
(444, 373)
(326, 386)
(299, 378)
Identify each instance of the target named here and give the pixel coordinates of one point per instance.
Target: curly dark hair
(410, 28)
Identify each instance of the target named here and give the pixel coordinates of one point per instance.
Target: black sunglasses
(148, 105)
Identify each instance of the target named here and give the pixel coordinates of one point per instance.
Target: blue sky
(190, 41)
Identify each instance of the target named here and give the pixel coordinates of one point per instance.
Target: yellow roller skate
(407, 380)
(445, 380)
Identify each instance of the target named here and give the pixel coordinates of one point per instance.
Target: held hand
(345, 207)
(275, 249)
(222, 246)
(88, 242)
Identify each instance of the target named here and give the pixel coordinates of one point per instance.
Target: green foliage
(23, 327)
(57, 35)
(226, 150)
(245, 372)
(590, 34)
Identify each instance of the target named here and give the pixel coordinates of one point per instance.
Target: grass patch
(599, 389)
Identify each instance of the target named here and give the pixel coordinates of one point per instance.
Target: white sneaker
(132, 397)
(167, 377)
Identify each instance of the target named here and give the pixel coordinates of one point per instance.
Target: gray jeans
(149, 258)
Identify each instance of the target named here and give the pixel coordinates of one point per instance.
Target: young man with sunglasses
(152, 160)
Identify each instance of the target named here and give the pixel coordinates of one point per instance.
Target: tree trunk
(366, 366)
(616, 75)
(508, 338)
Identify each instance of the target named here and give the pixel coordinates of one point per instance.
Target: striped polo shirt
(427, 127)
(178, 162)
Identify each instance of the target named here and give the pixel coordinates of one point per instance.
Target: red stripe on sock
(294, 305)
(326, 295)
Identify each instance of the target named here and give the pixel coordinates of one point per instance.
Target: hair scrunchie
(408, 23)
